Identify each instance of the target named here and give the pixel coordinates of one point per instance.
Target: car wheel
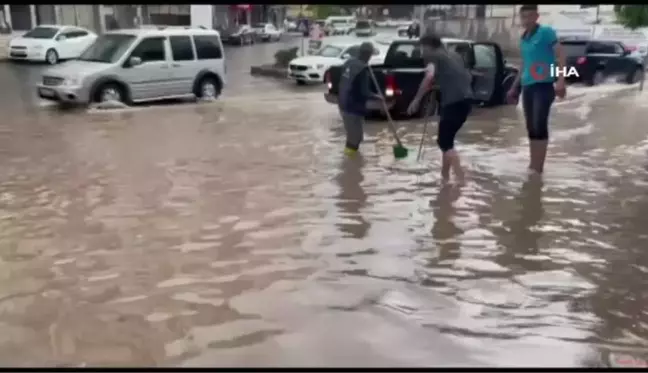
(597, 78)
(635, 76)
(51, 57)
(208, 88)
(110, 92)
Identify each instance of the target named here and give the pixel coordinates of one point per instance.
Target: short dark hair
(533, 7)
(431, 40)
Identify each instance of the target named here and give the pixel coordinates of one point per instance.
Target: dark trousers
(453, 117)
(537, 100)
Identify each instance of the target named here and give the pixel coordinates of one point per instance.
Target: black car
(239, 35)
(401, 73)
(598, 60)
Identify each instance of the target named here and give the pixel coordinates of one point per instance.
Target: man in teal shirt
(540, 51)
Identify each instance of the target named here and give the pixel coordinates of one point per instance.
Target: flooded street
(236, 233)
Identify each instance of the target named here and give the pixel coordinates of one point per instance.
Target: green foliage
(322, 11)
(284, 56)
(632, 16)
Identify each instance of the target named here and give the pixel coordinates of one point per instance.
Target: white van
(145, 64)
(340, 25)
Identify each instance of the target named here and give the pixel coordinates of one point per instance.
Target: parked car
(599, 60)
(240, 35)
(51, 43)
(364, 28)
(267, 32)
(140, 65)
(310, 69)
(403, 70)
(402, 30)
(340, 25)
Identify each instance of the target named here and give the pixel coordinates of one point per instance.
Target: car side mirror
(134, 61)
(346, 56)
(61, 38)
(625, 52)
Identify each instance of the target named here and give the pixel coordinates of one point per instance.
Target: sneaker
(350, 152)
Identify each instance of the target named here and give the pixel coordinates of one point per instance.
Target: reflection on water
(238, 234)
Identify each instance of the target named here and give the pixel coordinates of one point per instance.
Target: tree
(322, 11)
(632, 16)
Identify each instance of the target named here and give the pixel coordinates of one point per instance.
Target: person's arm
(552, 39)
(365, 81)
(425, 85)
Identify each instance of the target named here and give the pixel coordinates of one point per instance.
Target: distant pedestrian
(354, 94)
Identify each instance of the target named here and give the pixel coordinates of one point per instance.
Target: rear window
(208, 47)
(363, 24)
(574, 48)
(407, 54)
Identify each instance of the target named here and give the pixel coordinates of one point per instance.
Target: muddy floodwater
(236, 233)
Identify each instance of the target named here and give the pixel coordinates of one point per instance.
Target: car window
(406, 55)
(208, 47)
(41, 33)
(618, 49)
(150, 50)
(330, 51)
(573, 48)
(352, 51)
(181, 48)
(463, 50)
(71, 34)
(485, 56)
(363, 24)
(600, 48)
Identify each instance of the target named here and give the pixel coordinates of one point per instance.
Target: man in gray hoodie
(354, 93)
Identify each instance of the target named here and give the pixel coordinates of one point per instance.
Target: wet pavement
(235, 233)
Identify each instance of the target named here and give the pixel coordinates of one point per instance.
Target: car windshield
(363, 24)
(574, 48)
(330, 51)
(42, 33)
(259, 25)
(338, 22)
(108, 48)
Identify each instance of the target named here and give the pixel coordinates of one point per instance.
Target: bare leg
(445, 167)
(538, 150)
(455, 164)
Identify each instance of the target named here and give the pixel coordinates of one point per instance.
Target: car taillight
(581, 60)
(327, 79)
(390, 85)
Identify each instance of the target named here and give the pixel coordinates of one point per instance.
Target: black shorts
(537, 100)
(453, 116)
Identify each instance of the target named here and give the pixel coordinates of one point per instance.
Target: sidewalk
(4, 46)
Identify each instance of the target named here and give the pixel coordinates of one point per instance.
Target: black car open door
(488, 72)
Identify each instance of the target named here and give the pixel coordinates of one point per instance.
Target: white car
(311, 69)
(51, 43)
(267, 32)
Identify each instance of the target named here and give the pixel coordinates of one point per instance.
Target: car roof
(390, 40)
(58, 26)
(165, 31)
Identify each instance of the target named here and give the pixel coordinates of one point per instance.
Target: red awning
(243, 6)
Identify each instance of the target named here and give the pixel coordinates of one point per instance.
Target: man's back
(452, 76)
(354, 87)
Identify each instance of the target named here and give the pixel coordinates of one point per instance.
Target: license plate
(46, 92)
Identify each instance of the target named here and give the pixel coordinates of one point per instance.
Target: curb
(269, 71)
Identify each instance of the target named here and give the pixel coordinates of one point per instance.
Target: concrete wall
(499, 30)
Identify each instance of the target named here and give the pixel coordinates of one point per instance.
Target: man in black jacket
(354, 93)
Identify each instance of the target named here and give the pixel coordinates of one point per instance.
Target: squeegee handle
(390, 122)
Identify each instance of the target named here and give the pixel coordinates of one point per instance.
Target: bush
(284, 56)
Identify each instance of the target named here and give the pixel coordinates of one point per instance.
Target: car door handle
(176, 65)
